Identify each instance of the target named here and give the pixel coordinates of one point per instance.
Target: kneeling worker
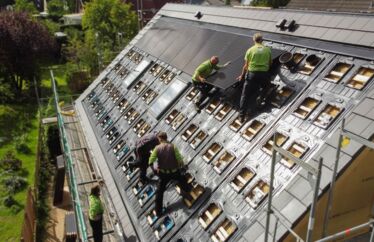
(169, 165)
(143, 148)
(254, 73)
(200, 75)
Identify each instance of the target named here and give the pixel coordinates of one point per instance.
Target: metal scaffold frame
(316, 172)
(310, 169)
(82, 230)
(344, 133)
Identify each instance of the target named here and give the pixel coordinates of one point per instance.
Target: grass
(11, 224)
(23, 121)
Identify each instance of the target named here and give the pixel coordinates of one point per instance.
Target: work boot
(198, 107)
(242, 118)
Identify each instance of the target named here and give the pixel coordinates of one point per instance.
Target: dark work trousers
(252, 83)
(142, 156)
(97, 230)
(204, 89)
(165, 178)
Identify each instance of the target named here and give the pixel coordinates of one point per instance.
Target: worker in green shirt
(202, 72)
(255, 73)
(168, 167)
(95, 215)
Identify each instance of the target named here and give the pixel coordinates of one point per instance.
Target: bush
(9, 201)
(15, 209)
(10, 163)
(21, 144)
(14, 184)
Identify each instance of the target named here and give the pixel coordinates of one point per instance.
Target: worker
(143, 148)
(169, 167)
(202, 72)
(95, 215)
(257, 62)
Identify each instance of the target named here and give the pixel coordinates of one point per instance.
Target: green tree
(24, 45)
(106, 20)
(25, 6)
(56, 9)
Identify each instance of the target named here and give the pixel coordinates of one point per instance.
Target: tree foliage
(106, 20)
(10, 162)
(56, 9)
(25, 6)
(24, 45)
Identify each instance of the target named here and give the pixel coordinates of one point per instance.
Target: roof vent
(198, 15)
(290, 25)
(280, 24)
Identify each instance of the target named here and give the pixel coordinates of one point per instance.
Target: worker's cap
(214, 60)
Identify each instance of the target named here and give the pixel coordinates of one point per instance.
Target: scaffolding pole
(304, 165)
(348, 231)
(342, 133)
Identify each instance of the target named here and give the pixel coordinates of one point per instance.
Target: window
(223, 111)
(306, 107)
(212, 151)
(242, 179)
(223, 162)
(198, 139)
(133, 76)
(189, 132)
(297, 150)
(209, 215)
(338, 72)
(157, 70)
(223, 232)
(253, 129)
(257, 194)
(167, 98)
(327, 116)
(361, 78)
(280, 139)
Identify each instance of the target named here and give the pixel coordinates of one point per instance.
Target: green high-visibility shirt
(178, 156)
(204, 70)
(96, 208)
(258, 58)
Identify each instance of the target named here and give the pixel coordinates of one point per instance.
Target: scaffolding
(317, 173)
(82, 230)
(310, 169)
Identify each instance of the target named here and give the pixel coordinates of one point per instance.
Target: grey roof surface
(336, 27)
(293, 193)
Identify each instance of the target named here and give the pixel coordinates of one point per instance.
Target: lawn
(23, 120)
(11, 223)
